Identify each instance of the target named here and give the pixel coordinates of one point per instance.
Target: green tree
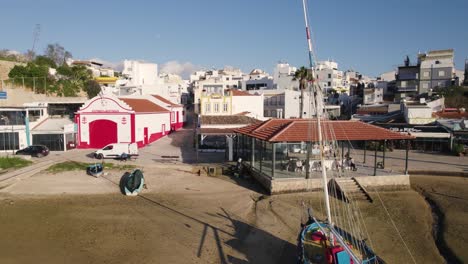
(455, 96)
(92, 88)
(303, 75)
(45, 61)
(34, 76)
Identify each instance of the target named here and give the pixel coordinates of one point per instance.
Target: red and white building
(108, 119)
(177, 112)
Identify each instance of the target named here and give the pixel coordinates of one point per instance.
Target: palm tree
(303, 75)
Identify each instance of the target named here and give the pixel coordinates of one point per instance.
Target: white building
(231, 102)
(373, 94)
(329, 77)
(141, 78)
(421, 112)
(436, 69)
(283, 77)
(287, 105)
(215, 81)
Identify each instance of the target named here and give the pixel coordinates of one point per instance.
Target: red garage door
(101, 133)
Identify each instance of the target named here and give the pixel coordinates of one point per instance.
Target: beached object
(132, 183)
(95, 170)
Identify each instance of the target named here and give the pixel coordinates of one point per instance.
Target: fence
(36, 84)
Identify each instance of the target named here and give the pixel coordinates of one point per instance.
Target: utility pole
(36, 33)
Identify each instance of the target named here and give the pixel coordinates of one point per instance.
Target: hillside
(5, 67)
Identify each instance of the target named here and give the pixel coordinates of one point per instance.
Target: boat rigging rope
(389, 217)
(394, 226)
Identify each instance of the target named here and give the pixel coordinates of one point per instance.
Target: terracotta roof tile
(240, 93)
(454, 115)
(164, 100)
(143, 106)
(295, 130)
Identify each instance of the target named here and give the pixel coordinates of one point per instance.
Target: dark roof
(296, 130)
(216, 131)
(227, 120)
(166, 101)
(143, 106)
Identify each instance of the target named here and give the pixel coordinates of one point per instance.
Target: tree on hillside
(45, 61)
(57, 53)
(92, 88)
(455, 96)
(303, 75)
(33, 75)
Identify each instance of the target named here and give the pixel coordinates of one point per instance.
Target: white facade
(329, 77)
(287, 105)
(283, 77)
(373, 96)
(231, 102)
(140, 73)
(421, 112)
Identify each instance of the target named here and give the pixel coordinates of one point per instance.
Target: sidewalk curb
(438, 173)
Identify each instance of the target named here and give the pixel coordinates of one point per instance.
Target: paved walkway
(417, 161)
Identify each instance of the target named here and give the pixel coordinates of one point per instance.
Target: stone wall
(392, 182)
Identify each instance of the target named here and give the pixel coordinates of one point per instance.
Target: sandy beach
(182, 217)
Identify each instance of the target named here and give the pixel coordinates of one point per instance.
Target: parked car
(34, 150)
(117, 150)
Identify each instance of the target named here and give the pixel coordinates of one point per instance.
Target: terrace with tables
(288, 149)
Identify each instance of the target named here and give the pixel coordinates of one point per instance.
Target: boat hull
(315, 247)
(95, 170)
(131, 184)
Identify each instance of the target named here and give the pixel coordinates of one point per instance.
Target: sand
(449, 196)
(183, 218)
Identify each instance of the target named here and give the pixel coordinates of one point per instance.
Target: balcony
(407, 89)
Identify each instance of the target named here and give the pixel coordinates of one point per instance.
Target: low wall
(288, 185)
(392, 182)
(295, 185)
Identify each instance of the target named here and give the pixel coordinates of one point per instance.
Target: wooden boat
(132, 183)
(95, 170)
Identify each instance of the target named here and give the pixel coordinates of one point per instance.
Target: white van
(116, 150)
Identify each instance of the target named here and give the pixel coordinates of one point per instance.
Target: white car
(117, 150)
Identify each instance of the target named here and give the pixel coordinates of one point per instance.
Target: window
(329, 84)
(225, 107)
(216, 107)
(403, 83)
(108, 147)
(172, 117)
(329, 76)
(9, 140)
(441, 73)
(426, 74)
(425, 85)
(207, 108)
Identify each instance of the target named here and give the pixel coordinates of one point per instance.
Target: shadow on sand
(258, 246)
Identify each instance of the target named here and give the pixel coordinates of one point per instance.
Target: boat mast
(318, 106)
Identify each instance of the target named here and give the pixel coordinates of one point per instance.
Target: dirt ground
(451, 198)
(184, 218)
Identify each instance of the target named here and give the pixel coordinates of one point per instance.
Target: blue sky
(371, 36)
